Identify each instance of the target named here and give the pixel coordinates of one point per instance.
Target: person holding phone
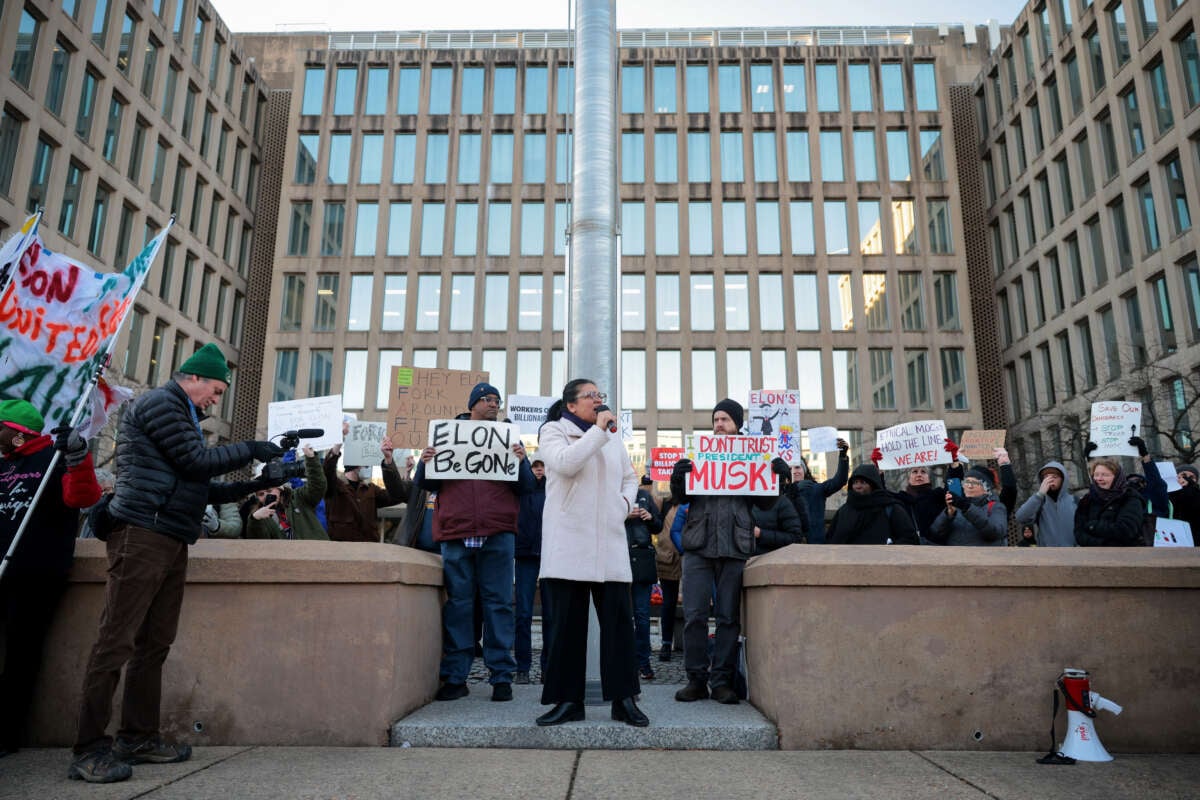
(975, 517)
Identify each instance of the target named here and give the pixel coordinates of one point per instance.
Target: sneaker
(695, 690)
(521, 677)
(645, 673)
(665, 653)
(501, 692)
(152, 750)
(451, 691)
(725, 694)
(99, 766)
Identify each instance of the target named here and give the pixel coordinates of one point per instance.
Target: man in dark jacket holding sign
(163, 485)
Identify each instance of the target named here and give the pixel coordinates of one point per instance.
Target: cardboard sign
(309, 412)
(1113, 422)
(776, 412)
(363, 442)
(823, 439)
(626, 423)
(419, 395)
(1166, 471)
(528, 411)
(731, 465)
(662, 462)
(1172, 533)
(913, 444)
(473, 451)
(980, 444)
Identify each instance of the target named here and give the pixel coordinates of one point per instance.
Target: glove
(952, 449)
(1136, 441)
(73, 446)
(1087, 451)
(211, 522)
(843, 446)
(682, 467)
(781, 468)
(264, 451)
(876, 456)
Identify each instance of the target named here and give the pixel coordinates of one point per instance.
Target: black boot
(563, 712)
(627, 711)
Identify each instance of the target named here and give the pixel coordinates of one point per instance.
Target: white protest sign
(731, 465)
(1172, 533)
(776, 412)
(1112, 423)
(1166, 471)
(363, 441)
(309, 412)
(913, 444)
(822, 440)
(473, 450)
(528, 411)
(626, 425)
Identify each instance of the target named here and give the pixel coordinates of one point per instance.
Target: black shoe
(153, 750)
(563, 712)
(665, 653)
(99, 766)
(627, 711)
(451, 691)
(501, 692)
(695, 690)
(725, 694)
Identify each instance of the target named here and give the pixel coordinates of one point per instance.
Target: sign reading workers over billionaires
(473, 450)
(913, 444)
(732, 465)
(419, 395)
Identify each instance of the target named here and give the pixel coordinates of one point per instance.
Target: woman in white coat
(590, 489)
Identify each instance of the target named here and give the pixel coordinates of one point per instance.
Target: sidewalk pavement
(307, 773)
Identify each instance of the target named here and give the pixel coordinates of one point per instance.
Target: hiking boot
(151, 750)
(695, 690)
(725, 694)
(665, 653)
(99, 766)
(451, 691)
(501, 692)
(521, 677)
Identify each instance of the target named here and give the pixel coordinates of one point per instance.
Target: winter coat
(1052, 517)
(808, 497)
(983, 522)
(778, 526)
(925, 503)
(300, 509)
(666, 556)
(1185, 505)
(718, 526)
(229, 521)
(47, 546)
(875, 518)
(590, 488)
(164, 467)
(529, 521)
(1115, 523)
(352, 509)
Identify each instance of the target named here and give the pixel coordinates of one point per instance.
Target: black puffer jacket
(163, 466)
(778, 526)
(1116, 522)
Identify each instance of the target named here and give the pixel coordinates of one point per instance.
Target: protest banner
(776, 412)
(1172, 533)
(626, 425)
(823, 439)
(473, 450)
(979, 445)
(662, 462)
(1113, 422)
(731, 465)
(528, 412)
(1166, 471)
(913, 444)
(420, 394)
(309, 412)
(363, 442)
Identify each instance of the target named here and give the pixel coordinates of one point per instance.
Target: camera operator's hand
(308, 451)
(264, 451)
(386, 448)
(427, 454)
(73, 446)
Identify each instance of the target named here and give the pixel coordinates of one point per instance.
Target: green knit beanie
(208, 362)
(22, 415)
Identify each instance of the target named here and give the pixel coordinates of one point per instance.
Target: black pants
(566, 665)
(28, 602)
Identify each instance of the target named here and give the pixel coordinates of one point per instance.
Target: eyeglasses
(599, 397)
(492, 400)
(972, 482)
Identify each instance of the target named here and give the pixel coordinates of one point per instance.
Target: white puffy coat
(590, 488)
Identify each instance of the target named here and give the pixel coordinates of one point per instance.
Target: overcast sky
(374, 15)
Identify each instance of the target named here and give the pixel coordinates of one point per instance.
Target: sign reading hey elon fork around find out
(472, 450)
(419, 395)
(731, 465)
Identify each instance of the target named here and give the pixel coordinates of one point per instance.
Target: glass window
(365, 229)
(301, 226)
(1181, 218)
(828, 91)
(737, 372)
(633, 302)
(633, 229)
(699, 157)
(697, 88)
(733, 228)
(666, 229)
(841, 301)
(858, 78)
(344, 90)
(529, 303)
(359, 315)
(1133, 121)
(666, 157)
(534, 151)
(399, 227)
(562, 157)
(925, 86)
(770, 298)
(441, 89)
(633, 379)
(932, 162)
(870, 228)
(1190, 65)
(314, 90)
(354, 379)
(339, 158)
(395, 302)
(1116, 15)
(25, 49)
(737, 302)
(794, 89)
(799, 168)
(633, 90)
(437, 157)
(462, 302)
(377, 90)
(664, 88)
(87, 107)
(764, 157)
(729, 87)
(502, 158)
(891, 84)
(762, 88)
(562, 220)
(333, 229)
(1164, 119)
(429, 302)
(945, 295)
(899, 168)
(875, 301)
(408, 90)
(325, 314)
(469, 145)
(801, 219)
(466, 224)
(499, 233)
(666, 302)
(370, 161)
(60, 66)
(767, 227)
(904, 227)
(845, 379)
(812, 393)
(1108, 144)
(1120, 225)
(285, 374)
(864, 155)
(1150, 238)
(883, 385)
(536, 92)
(940, 226)
(433, 228)
(832, 168)
(383, 390)
(954, 379)
(807, 317)
(471, 100)
(533, 229)
(700, 240)
(633, 158)
(702, 303)
(292, 307)
(704, 380)
(566, 90)
(732, 163)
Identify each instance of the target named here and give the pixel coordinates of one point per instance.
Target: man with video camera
(164, 481)
(296, 499)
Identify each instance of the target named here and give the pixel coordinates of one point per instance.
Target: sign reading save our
(473, 450)
(732, 465)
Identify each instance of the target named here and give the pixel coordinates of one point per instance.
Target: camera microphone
(612, 423)
(305, 433)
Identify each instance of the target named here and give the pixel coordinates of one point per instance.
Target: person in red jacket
(36, 576)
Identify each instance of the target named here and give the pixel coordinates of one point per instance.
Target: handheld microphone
(305, 433)
(612, 423)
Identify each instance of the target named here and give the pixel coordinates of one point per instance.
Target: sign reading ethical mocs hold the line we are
(731, 465)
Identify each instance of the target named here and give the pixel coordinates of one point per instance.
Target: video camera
(278, 471)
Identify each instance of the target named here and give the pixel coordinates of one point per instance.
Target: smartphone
(954, 486)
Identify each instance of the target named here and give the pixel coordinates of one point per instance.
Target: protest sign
(776, 412)
(308, 412)
(626, 425)
(363, 443)
(1113, 422)
(731, 465)
(662, 462)
(980, 444)
(420, 394)
(1172, 533)
(913, 444)
(528, 412)
(1166, 471)
(823, 439)
(473, 450)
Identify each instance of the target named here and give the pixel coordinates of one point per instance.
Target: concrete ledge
(958, 648)
(280, 643)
